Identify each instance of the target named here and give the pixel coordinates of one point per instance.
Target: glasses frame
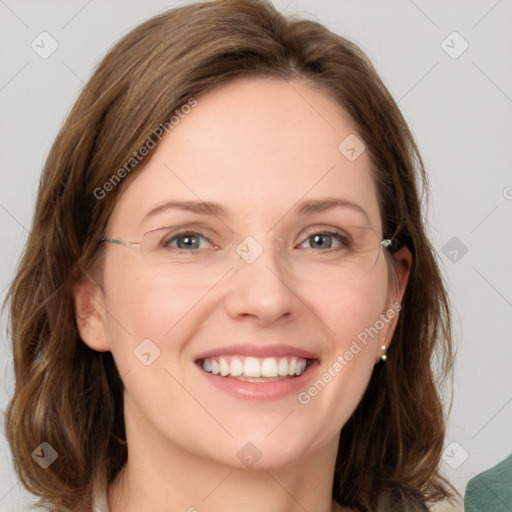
(384, 243)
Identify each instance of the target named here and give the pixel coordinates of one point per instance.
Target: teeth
(282, 368)
(236, 368)
(269, 367)
(301, 367)
(224, 367)
(253, 367)
(292, 366)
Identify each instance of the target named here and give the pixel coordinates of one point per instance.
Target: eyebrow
(200, 207)
(215, 209)
(320, 205)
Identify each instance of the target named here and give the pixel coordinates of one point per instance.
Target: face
(270, 267)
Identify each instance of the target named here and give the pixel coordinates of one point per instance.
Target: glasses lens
(344, 254)
(347, 255)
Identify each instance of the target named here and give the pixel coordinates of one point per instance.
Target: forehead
(258, 147)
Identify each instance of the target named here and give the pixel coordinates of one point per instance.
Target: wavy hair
(71, 396)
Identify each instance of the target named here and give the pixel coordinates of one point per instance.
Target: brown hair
(71, 396)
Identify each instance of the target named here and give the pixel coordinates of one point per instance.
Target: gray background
(458, 108)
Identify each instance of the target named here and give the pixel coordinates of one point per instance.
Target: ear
(90, 316)
(403, 263)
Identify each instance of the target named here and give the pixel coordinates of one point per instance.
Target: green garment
(491, 491)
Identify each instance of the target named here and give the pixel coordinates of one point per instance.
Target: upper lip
(260, 351)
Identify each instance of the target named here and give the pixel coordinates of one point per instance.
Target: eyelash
(342, 238)
(166, 242)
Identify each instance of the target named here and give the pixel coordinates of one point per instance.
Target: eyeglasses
(352, 252)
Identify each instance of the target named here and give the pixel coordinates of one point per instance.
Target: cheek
(141, 306)
(351, 308)
(351, 313)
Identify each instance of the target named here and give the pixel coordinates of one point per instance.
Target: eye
(188, 240)
(326, 240)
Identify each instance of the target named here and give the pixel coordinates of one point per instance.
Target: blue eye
(186, 241)
(190, 241)
(325, 240)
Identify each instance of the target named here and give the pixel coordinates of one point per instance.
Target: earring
(383, 356)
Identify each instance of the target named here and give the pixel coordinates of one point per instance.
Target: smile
(258, 371)
(255, 369)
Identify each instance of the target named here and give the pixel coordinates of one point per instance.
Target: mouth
(256, 372)
(255, 369)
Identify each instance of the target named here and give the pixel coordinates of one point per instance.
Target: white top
(99, 499)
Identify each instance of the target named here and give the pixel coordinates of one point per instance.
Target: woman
(227, 297)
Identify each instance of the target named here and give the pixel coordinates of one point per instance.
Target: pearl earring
(383, 356)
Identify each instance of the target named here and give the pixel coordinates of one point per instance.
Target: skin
(255, 146)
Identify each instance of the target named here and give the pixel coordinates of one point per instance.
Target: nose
(259, 288)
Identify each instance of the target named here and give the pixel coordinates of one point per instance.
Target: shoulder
(490, 489)
(453, 505)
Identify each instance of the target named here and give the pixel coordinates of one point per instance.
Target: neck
(224, 489)
(162, 476)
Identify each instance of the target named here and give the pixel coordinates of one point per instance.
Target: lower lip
(261, 390)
